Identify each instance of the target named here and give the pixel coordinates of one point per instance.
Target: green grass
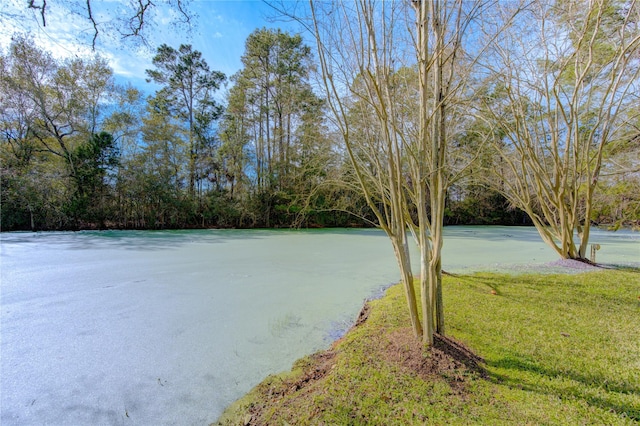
(558, 349)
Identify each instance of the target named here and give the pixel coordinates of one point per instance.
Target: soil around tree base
(447, 359)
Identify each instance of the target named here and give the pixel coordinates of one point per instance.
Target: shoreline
(603, 227)
(306, 372)
(380, 374)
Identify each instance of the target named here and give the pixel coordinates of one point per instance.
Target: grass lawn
(555, 349)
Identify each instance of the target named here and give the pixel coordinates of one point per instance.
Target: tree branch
(95, 25)
(41, 8)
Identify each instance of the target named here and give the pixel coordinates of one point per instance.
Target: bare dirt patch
(363, 315)
(447, 359)
(272, 393)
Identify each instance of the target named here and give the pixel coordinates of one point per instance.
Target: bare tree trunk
(383, 187)
(401, 250)
(428, 294)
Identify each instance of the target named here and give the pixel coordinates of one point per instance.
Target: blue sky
(220, 30)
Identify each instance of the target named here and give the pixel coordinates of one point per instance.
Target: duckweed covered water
(169, 327)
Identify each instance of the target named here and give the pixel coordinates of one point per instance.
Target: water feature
(169, 327)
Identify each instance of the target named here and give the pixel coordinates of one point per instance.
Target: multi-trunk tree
(395, 75)
(561, 91)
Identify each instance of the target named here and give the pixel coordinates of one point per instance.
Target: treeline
(79, 151)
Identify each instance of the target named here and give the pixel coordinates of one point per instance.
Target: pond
(169, 327)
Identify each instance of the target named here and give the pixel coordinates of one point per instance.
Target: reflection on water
(168, 327)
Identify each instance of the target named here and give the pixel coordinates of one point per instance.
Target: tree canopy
(489, 123)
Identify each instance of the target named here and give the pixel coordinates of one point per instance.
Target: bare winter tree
(564, 83)
(395, 75)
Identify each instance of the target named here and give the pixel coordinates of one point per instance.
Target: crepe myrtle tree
(397, 130)
(557, 95)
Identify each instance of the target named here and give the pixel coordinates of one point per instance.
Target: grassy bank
(551, 349)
